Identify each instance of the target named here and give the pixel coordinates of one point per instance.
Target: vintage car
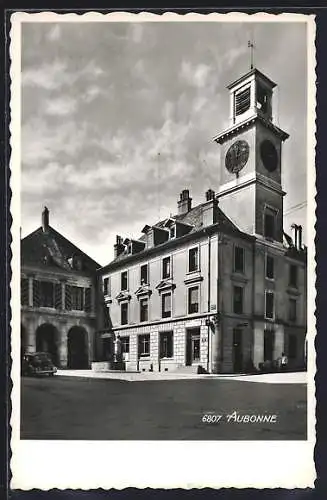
(38, 363)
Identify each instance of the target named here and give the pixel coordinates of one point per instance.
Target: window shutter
(242, 101)
(24, 292)
(36, 293)
(58, 304)
(68, 298)
(87, 306)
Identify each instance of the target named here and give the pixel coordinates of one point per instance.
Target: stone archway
(46, 341)
(77, 348)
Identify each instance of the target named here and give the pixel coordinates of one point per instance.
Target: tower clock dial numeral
(237, 157)
(269, 155)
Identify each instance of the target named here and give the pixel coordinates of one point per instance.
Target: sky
(101, 100)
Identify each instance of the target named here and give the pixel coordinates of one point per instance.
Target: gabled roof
(51, 249)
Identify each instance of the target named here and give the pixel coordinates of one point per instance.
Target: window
(166, 268)
(166, 305)
(144, 275)
(293, 275)
(269, 267)
(46, 294)
(193, 299)
(172, 232)
(269, 305)
(292, 310)
(242, 101)
(269, 224)
(193, 259)
(144, 310)
(166, 345)
(87, 300)
(106, 286)
(292, 346)
(24, 292)
(124, 281)
(124, 345)
(262, 99)
(239, 260)
(124, 313)
(144, 345)
(77, 298)
(238, 300)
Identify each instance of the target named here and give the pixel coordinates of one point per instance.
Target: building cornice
(172, 244)
(246, 124)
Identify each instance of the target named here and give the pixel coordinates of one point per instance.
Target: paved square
(99, 409)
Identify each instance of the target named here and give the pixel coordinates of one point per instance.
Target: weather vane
(251, 47)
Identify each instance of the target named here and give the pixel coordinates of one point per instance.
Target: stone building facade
(217, 287)
(58, 298)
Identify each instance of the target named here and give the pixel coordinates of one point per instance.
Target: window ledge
(193, 278)
(239, 277)
(193, 272)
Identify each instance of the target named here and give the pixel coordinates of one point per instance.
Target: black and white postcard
(163, 270)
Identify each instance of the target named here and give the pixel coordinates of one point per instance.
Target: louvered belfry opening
(242, 101)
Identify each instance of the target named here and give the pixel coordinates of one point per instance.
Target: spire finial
(251, 47)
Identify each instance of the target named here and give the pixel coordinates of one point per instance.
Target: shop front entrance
(192, 346)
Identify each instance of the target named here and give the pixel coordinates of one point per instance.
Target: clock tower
(250, 190)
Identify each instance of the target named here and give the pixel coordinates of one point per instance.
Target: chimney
(184, 203)
(45, 220)
(209, 210)
(296, 232)
(210, 194)
(118, 247)
(300, 237)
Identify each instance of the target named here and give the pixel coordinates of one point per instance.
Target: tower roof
(255, 72)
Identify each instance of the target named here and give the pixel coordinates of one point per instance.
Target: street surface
(63, 407)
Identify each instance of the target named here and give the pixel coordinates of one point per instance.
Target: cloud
(135, 31)
(91, 93)
(100, 103)
(57, 74)
(48, 76)
(196, 75)
(54, 33)
(41, 143)
(60, 106)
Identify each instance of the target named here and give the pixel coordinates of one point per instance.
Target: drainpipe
(209, 302)
(219, 305)
(253, 297)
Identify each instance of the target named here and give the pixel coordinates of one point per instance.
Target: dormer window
(172, 232)
(76, 262)
(242, 99)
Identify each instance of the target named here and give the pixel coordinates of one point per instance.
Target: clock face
(237, 156)
(269, 155)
